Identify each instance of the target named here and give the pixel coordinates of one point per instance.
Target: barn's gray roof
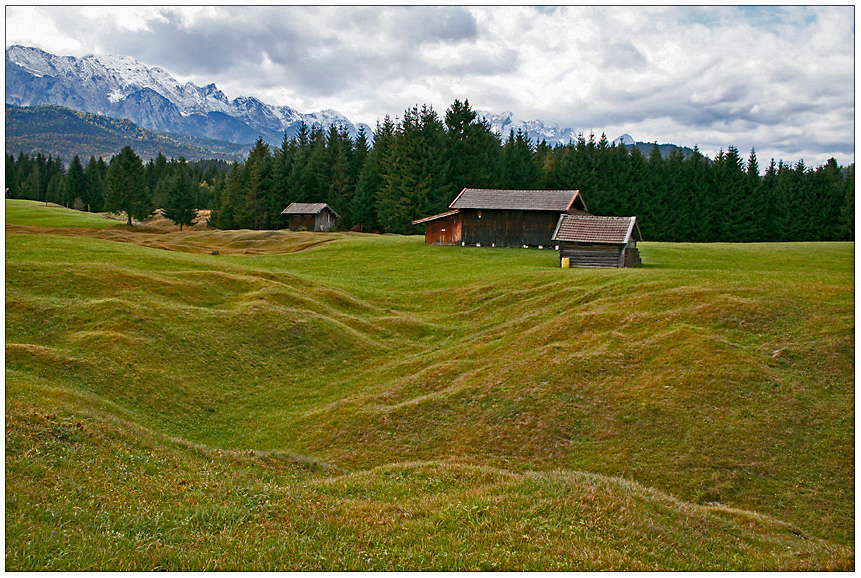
(516, 200)
(593, 229)
(306, 209)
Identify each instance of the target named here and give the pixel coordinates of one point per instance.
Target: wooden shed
(591, 241)
(501, 218)
(442, 229)
(311, 216)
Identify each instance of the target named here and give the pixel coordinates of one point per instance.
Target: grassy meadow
(345, 401)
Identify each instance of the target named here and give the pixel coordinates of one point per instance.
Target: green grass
(35, 214)
(369, 403)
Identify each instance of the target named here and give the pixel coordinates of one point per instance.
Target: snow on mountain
(503, 124)
(624, 140)
(120, 86)
(149, 96)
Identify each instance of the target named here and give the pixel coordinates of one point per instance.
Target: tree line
(125, 184)
(417, 164)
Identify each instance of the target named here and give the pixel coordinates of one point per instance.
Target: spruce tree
(96, 174)
(179, 195)
(371, 178)
(126, 189)
(76, 182)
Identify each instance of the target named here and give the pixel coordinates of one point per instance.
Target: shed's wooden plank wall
(444, 231)
(591, 255)
(302, 221)
(324, 221)
(599, 255)
(632, 257)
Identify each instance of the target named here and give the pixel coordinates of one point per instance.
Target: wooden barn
(501, 218)
(310, 217)
(591, 241)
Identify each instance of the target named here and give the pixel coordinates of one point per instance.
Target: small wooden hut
(501, 218)
(591, 241)
(310, 217)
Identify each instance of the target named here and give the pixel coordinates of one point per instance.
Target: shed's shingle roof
(592, 229)
(516, 200)
(306, 209)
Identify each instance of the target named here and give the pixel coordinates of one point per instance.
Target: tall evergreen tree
(414, 172)
(372, 177)
(76, 182)
(472, 150)
(179, 196)
(126, 189)
(519, 168)
(96, 173)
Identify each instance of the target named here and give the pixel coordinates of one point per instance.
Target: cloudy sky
(780, 79)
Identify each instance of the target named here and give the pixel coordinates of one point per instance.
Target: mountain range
(503, 124)
(121, 87)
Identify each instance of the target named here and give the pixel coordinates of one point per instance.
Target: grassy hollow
(342, 401)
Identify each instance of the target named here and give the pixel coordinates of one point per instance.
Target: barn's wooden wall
(509, 228)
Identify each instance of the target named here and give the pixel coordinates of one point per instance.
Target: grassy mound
(88, 491)
(714, 382)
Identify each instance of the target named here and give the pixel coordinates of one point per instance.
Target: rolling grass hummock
(343, 401)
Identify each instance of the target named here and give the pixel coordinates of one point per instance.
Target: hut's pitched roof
(518, 200)
(306, 209)
(593, 229)
(435, 217)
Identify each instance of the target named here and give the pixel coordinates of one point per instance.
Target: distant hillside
(666, 149)
(62, 132)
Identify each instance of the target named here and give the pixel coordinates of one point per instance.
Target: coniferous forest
(417, 164)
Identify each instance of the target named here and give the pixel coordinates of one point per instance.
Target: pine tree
(155, 171)
(56, 192)
(756, 200)
(519, 168)
(472, 150)
(76, 183)
(179, 195)
(372, 178)
(253, 196)
(11, 183)
(96, 174)
(846, 229)
(339, 148)
(283, 160)
(414, 172)
(126, 190)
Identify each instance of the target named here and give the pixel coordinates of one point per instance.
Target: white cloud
(777, 78)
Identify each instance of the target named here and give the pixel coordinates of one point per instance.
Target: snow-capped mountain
(624, 140)
(120, 86)
(503, 124)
